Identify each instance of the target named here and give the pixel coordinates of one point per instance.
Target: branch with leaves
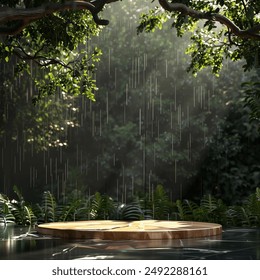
(251, 33)
(14, 20)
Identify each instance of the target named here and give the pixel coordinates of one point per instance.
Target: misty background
(152, 124)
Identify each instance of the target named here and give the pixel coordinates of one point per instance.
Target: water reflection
(15, 242)
(24, 243)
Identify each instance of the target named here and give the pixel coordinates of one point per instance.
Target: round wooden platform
(130, 230)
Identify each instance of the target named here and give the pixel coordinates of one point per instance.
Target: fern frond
(132, 212)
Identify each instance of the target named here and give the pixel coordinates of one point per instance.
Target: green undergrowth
(158, 205)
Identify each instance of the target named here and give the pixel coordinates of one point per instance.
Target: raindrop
(56, 168)
(30, 177)
(135, 71)
(67, 169)
(132, 73)
(90, 106)
(20, 159)
(46, 174)
(171, 120)
(77, 154)
(2, 157)
(175, 98)
(150, 89)
(124, 117)
(201, 97)
(179, 118)
(156, 86)
(172, 143)
(133, 183)
(93, 123)
(126, 94)
(107, 106)
(100, 123)
(177, 56)
(114, 159)
(60, 154)
(123, 174)
(194, 97)
(50, 166)
(166, 68)
(190, 144)
(44, 158)
(188, 115)
(153, 107)
(140, 121)
(154, 155)
(209, 103)
(149, 184)
(138, 70)
(117, 190)
(144, 67)
(115, 77)
(175, 171)
(109, 61)
(144, 168)
(14, 164)
(58, 187)
(160, 103)
(81, 119)
(97, 168)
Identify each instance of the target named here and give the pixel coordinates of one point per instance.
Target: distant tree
(48, 44)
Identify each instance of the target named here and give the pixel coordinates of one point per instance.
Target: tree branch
(38, 59)
(21, 17)
(251, 33)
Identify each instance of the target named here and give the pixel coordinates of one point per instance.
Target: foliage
(252, 90)
(130, 211)
(143, 117)
(6, 215)
(55, 64)
(47, 45)
(51, 46)
(101, 207)
(231, 169)
(21, 212)
(43, 69)
(159, 204)
(249, 213)
(210, 42)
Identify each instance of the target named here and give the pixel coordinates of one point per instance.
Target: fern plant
(23, 213)
(6, 216)
(101, 207)
(189, 210)
(214, 210)
(46, 211)
(249, 213)
(69, 211)
(161, 204)
(158, 206)
(131, 211)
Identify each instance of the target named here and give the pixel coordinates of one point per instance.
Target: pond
(22, 243)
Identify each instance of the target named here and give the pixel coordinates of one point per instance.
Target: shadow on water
(24, 243)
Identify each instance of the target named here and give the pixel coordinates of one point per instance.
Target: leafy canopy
(49, 33)
(54, 36)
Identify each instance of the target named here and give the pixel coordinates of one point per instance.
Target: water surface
(24, 243)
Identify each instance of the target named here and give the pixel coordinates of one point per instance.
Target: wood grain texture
(130, 230)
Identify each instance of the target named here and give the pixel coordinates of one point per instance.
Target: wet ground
(234, 244)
